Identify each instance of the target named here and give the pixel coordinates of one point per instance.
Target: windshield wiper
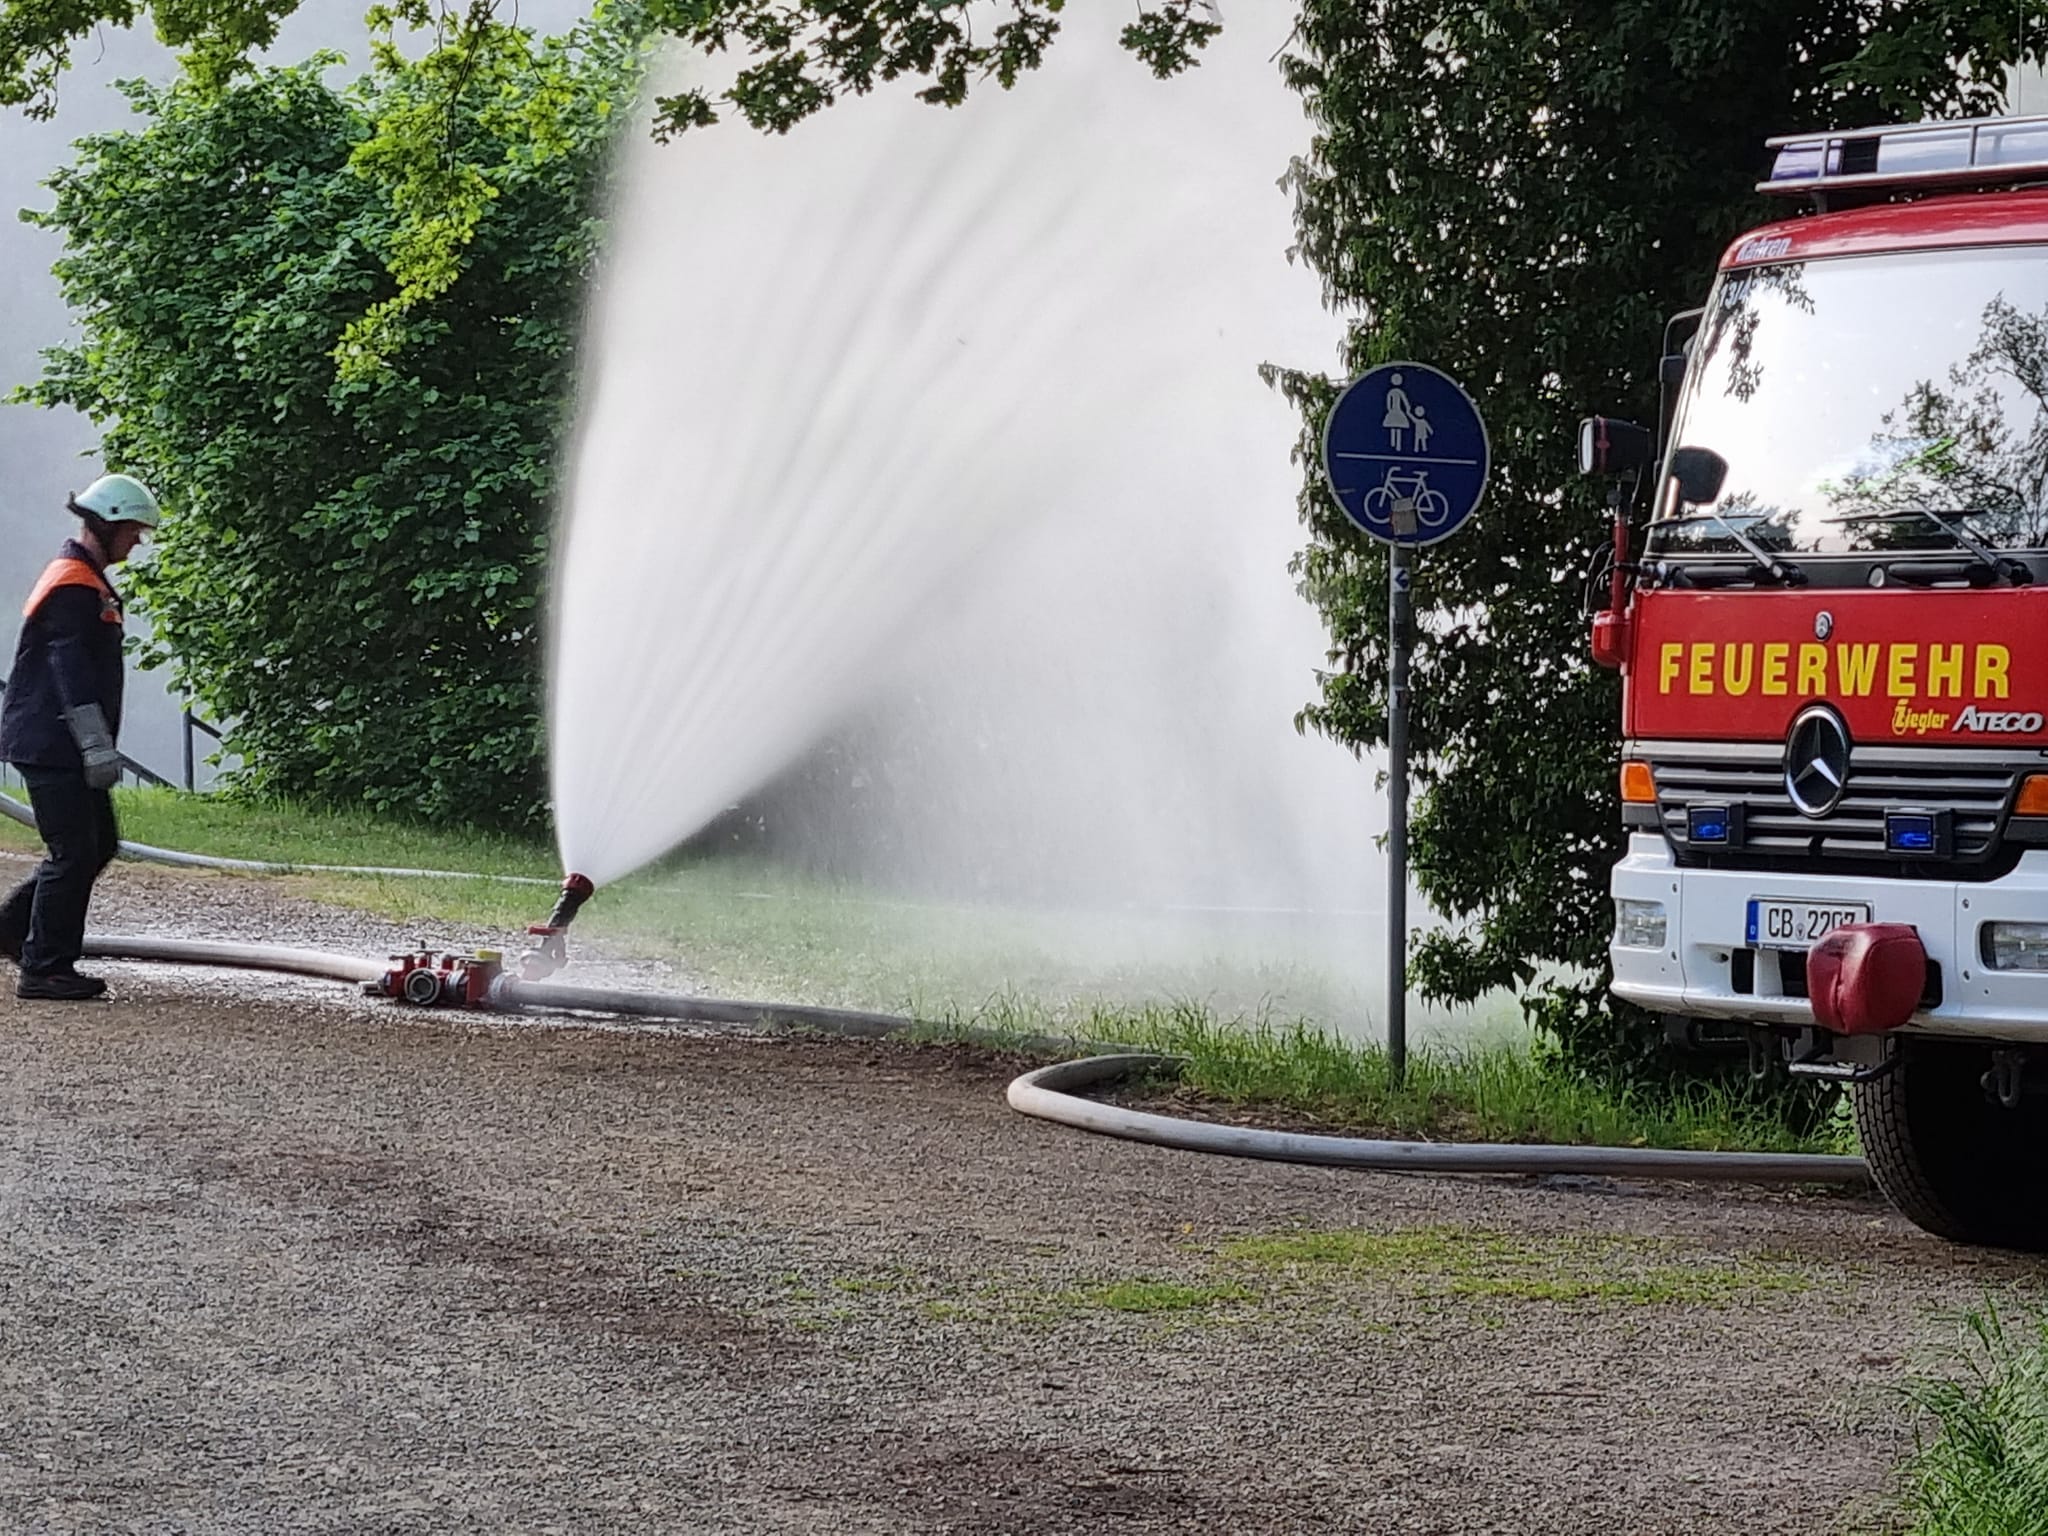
(1782, 571)
(2001, 566)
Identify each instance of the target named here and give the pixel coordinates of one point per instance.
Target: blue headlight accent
(1714, 825)
(1909, 834)
(1919, 833)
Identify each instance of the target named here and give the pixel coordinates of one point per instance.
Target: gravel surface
(281, 1258)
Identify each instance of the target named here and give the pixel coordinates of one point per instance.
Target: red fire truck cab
(1832, 621)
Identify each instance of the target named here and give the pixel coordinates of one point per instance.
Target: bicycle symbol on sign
(1405, 499)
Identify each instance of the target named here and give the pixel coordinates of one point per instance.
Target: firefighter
(59, 720)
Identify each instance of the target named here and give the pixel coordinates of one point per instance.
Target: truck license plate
(1800, 924)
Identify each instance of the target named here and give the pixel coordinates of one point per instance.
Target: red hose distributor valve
(552, 953)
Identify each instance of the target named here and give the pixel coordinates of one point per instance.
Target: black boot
(14, 918)
(60, 987)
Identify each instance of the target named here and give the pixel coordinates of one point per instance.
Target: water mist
(942, 431)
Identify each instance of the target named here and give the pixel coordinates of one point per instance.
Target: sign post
(1406, 455)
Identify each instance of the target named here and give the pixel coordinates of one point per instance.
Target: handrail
(191, 722)
(147, 775)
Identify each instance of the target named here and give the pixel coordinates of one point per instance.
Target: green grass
(1252, 1031)
(1358, 1275)
(239, 829)
(1982, 1467)
(746, 928)
(1487, 1091)
(1471, 1265)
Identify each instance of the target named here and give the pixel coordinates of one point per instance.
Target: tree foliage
(1521, 193)
(351, 572)
(802, 54)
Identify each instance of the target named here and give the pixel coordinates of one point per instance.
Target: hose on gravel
(245, 957)
(1054, 1092)
(144, 853)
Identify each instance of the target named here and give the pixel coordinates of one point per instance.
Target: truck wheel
(1954, 1161)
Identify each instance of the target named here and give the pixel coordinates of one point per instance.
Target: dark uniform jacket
(69, 655)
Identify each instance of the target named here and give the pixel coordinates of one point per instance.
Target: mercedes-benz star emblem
(1823, 624)
(1817, 761)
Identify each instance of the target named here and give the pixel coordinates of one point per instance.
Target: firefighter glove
(95, 745)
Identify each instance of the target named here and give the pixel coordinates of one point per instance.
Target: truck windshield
(1853, 396)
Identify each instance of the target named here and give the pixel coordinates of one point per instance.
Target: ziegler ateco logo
(1908, 721)
(1763, 247)
(2008, 722)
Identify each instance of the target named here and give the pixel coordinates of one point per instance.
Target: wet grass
(1255, 1037)
(745, 928)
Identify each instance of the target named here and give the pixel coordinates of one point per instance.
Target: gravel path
(284, 1259)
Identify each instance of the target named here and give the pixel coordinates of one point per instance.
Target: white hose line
(249, 957)
(143, 853)
(1050, 1093)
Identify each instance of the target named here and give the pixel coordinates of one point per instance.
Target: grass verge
(1487, 1091)
(1983, 1466)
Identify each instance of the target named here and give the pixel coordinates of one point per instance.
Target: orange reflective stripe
(67, 572)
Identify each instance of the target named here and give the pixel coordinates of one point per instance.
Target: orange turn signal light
(2033, 800)
(1637, 788)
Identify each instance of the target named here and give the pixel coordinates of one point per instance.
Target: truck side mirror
(1700, 473)
(1611, 447)
(1671, 370)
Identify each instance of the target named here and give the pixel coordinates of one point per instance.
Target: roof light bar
(1909, 155)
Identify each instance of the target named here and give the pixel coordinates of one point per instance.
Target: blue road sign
(1405, 453)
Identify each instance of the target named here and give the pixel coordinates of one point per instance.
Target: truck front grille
(1975, 787)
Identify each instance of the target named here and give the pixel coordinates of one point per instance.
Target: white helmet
(119, 499)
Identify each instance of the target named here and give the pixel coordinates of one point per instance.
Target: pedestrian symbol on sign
(1399, 416)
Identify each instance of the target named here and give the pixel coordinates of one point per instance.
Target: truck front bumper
(1706, 959)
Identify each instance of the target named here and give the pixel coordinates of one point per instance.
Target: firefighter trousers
(43, 919)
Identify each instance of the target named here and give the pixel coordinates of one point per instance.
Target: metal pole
(188, 752)
(1398, 609)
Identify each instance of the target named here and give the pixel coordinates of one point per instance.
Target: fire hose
(1053, 1093)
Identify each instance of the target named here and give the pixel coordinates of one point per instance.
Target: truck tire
(1954, 1161)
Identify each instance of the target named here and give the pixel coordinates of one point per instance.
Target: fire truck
(1829, 604)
